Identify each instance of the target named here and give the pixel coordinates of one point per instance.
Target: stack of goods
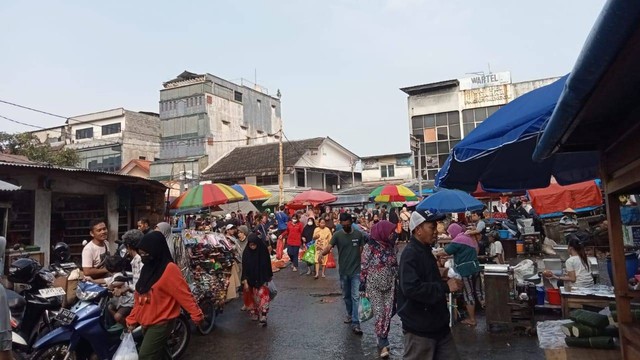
(590, 330)
(635, 312)
(211, 257)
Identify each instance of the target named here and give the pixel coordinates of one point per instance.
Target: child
(120, 306)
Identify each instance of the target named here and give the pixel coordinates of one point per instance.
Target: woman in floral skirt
(256, 274)
(378, 279)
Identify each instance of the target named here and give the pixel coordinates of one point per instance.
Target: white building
(318, 163)
(396, 168)
(108, 140)
(443, 113)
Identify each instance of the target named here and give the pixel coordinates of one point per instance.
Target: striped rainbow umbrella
(206, 195)
(391, 193)
(251, 192)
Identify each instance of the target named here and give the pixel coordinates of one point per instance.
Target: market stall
(598, 113)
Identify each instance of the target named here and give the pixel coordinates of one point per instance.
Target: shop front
(57, 204)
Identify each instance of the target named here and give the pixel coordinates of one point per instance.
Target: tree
(29, 145)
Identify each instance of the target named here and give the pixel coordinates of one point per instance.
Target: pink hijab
(381, 231)
(457, 234)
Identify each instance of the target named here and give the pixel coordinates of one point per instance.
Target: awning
(5, 186)
(614, 39)
(497, 154)
(555, 198)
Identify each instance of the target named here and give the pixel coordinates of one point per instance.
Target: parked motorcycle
(85, 333)
(30, 309)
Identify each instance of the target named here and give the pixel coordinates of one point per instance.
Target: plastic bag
(273, 291)
(279, 249)
(310, 255)
(365, 312)
(331, 261)
(127, 349)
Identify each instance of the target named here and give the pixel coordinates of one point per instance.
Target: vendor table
(577, 298)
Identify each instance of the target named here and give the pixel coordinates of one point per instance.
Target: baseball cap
(420, 216)
(230, 226)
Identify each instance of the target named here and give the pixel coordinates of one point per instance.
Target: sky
(338, 64)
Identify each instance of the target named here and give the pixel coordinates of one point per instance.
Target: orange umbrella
(251, 192)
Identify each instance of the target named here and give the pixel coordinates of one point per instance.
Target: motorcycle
(31, 306)
(85, 331)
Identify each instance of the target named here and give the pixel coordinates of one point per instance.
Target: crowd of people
(368, 265)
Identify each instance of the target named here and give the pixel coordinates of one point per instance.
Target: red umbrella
(313, 197)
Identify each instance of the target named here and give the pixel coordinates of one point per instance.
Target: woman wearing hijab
(160, 293)
(256, 273)
(378, 279)
(165, 229)
(307, 237)
(464, 248)
(293, 234)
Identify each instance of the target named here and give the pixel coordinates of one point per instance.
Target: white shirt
(583, 276)
(93, 255)
(495, 248)
(136, 268)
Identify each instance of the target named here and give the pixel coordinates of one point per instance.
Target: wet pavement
(305, 322)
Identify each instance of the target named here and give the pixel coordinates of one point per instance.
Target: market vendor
(578, 269)
(569, 222)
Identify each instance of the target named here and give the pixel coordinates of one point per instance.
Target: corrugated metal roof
(78, 170)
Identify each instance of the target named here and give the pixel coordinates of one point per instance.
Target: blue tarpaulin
(497, 154)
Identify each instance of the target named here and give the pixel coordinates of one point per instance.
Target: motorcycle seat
(16, 302)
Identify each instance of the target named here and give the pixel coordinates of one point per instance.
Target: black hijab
(256, 263)
(155, 244)
(308, 230)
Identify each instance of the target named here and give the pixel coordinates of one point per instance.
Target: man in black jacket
(422, 303)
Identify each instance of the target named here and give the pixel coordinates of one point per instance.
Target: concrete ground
(305, 322)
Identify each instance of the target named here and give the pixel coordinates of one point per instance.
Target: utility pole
(281, 169)
(353, 173)
(414, 143)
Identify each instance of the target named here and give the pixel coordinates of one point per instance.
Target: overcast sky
(339, 64)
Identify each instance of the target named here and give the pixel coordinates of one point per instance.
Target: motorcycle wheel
(54, 352)
(210, 313)
(179, 337)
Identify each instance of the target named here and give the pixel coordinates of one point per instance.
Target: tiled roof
(260, 160)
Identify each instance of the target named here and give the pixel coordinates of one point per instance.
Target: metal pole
(419, 169)
(281, 170)
(353, 173)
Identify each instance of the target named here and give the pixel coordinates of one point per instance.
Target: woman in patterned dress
(378, 279)
(322, 236)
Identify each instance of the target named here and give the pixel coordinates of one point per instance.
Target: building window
(142, 158)
(111, 129)
(267, 180)
(300, 178)
(84, 133)
(237, 96)
(387, 171)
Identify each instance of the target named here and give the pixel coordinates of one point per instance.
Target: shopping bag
(279, 249)
(273, 291)
(331, 261)
(365, 312)
(399, 228)
(310, 255)
(127, 349)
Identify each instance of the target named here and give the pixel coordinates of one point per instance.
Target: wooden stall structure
(599, 111)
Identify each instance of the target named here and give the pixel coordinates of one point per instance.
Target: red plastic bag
(331, 261)
(279, 249)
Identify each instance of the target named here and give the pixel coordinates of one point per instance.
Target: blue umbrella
(450, 201)
(497, 154)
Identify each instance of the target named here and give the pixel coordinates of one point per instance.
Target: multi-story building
(443, 113)
(108, 140)
(204, 117)
(391, 168)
